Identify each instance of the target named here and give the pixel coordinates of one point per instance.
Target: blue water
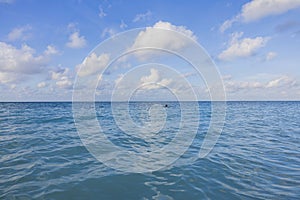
(256, 157)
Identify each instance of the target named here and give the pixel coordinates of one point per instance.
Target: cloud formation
(258, 9)
(21, 60)
(242, 47)
(277, 87)
(76, 41)
(93, 64)
(20, 33)
(21, 64)
(281, 81)
(108, 32)
(62, 78)
(162, 39)
(51, 50)
(153, 81)
(101, 12)
(142, 16)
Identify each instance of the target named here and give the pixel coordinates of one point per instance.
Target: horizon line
(146, 101)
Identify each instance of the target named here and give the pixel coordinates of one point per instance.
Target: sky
(46, 45)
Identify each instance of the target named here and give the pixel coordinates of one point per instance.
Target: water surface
(257, 155)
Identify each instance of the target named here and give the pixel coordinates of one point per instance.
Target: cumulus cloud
(64, 82)
(20, 60)
(142, 16)
(258, 9)
(20, 64)
(145, 38)
(59, 73)
(62, 78)
(244, 47)
(153, 81)
(93, 64)
(51, 50)
(154, 37)
(20, 33)
(76, 41)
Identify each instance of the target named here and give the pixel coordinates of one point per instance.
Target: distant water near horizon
(256, 157)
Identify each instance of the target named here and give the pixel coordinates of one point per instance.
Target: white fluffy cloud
(153, 81)
(51, 50)
(154, 84)
(20, 60)
(62, 78)
(162, 39)
(58, 74)
(154, 37)
(242, 47)
(76, 41)
(257, 9)
(20, 64)
(64, 82)
(93, 64)
(20, 33)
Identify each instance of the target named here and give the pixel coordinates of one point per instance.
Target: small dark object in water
(166, 105)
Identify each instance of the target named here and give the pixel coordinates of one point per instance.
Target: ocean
(257, 156)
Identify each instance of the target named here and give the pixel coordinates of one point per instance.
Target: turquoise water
(256, 157)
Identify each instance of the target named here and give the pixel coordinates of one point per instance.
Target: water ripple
(257, 155)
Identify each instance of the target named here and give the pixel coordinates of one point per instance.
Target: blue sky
(254, 44)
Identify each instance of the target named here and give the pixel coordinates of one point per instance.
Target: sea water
(257, 155)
